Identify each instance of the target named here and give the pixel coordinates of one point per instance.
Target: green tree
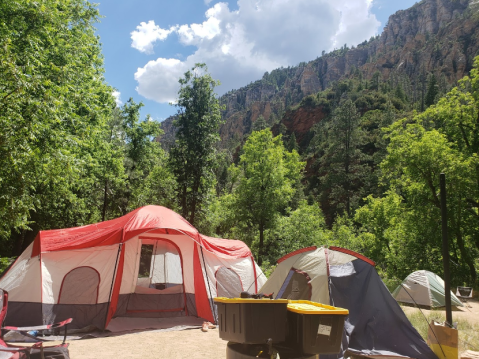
(341, 160)
(292, 143)
(432, 91)
(303, 227)
(259, 124)
(54, 104)
(193, 155)
(266, 185)
(149, 180)
(415, 159)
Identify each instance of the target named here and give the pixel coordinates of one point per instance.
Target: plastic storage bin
(252, 321)
(315, 328)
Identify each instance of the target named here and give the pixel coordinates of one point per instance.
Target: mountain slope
(433, 36)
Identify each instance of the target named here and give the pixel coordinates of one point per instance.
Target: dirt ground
(191, 343)
(470, 311)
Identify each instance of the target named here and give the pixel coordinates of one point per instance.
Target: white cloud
(146, 34)
(239, 46)
(159, 79)
(117, 95)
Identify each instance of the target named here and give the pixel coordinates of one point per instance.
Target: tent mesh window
(145, 260)
(166, 270)
(228, 283)
(80, 286)
(296, 286)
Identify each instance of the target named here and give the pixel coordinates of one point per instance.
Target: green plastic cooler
(251, 321)
(315, 328)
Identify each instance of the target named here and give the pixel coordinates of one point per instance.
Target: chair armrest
(40, 327)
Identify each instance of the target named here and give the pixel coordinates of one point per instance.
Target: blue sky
(148, 44)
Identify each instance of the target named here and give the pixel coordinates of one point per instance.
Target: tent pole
(113, 282)
(209, 289)
(445, 250)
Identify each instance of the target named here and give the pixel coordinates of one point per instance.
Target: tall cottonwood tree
(54, 104)
(266, 184)
(193, 155)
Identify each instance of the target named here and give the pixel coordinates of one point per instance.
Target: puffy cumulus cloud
(357, 22)
(194, 34)
(117, 95)
(240, 46)
(146, 34)
(158, 80)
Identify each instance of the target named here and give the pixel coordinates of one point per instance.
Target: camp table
(251, 321)
(315, 328)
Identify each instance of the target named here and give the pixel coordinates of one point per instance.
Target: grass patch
(468, 332)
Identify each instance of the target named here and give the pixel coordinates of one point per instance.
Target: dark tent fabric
(376, 320)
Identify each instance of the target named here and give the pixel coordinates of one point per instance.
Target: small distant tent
(150, 263)
(424, 288)
(376, 325)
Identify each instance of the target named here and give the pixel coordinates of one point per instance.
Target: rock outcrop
(433, 36)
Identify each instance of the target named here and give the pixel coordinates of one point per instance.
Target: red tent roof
(149, 218)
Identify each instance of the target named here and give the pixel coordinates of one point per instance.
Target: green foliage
(404, 225)
(341, 160)
(266, 176)
(193, 155)
(4, 263)
(260, 124)
(302, 228)
(54, 104)
(432, 91)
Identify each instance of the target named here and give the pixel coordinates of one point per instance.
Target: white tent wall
(336, 258)
(23, 282)
(130, 265)
(276, 279)
(56, 265)
(416, 285)
(313, 263)
(241, 266)
(86, 311)
(426, 288)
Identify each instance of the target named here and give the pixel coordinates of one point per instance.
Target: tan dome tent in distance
(424, 288)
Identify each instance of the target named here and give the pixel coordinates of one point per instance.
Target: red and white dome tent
(148, 263)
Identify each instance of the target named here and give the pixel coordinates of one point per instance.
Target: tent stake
(445, 250)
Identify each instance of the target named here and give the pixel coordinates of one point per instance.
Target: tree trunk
(105, 198)
(194, 201)
(184, 209)
(261, 243)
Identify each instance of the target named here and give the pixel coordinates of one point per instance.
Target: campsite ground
(467, 319)
(193, 343)
(470, 312)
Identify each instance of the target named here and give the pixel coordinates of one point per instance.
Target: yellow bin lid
(249, 300)
(308, 307)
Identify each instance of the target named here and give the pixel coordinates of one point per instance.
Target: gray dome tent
(425, 288)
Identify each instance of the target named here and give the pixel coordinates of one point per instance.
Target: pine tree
(192, 157)
(432, 91)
